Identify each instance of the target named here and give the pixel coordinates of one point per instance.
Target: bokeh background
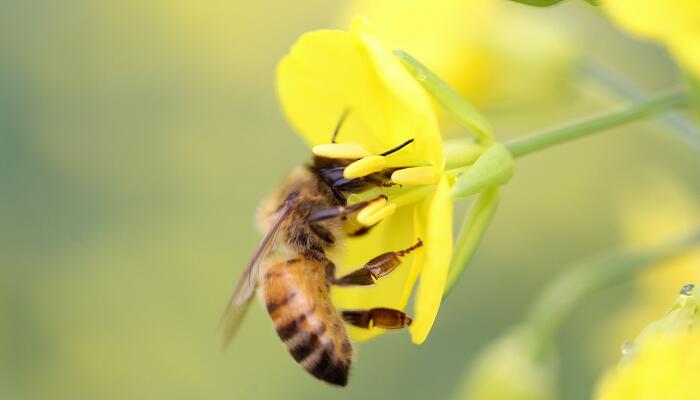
(137, 137)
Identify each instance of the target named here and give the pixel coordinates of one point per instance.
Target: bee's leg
(330, 270)
(363, 230)
(374, 269)
(385, 318)
(341, 212)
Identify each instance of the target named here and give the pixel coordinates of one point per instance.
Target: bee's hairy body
(295, 287)
(311, 193)
(304, 219)
(296, 295)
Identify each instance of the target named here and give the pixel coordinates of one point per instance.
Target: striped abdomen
(296, 295)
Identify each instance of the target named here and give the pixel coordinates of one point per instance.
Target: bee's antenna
(343, 116)
(397, 148)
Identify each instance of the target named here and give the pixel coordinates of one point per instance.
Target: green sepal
(494, 168)
(465, 113)
(473, 229)
(460, 153)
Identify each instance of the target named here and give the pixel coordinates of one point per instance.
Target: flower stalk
(614, 83)
(577, 130)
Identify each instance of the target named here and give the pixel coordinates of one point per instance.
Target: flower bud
(664, 361)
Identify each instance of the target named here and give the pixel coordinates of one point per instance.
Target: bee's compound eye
(347, 151)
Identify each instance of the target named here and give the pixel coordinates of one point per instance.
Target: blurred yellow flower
(676, 24)
(328, 73)
(664, 361)
(665, 211)
(475, 45)
(510, 369)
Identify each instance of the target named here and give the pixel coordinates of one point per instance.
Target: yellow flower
(475, 45)
(664, 361)
(328, 73)
(667, 367)
(666, 211)
(675, 24)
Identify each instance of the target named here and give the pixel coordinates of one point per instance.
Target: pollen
(369, 219)
(348, 151)
(364, 166)
(415, 176)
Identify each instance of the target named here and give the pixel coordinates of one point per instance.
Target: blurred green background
(137, 137)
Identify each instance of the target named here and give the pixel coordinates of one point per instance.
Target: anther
(371, 208)
(364, 166)
(415, 176)
(348, 151)
(376, 216)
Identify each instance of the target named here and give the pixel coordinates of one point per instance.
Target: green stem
(612, 81)
(591, 275)
(552, 137)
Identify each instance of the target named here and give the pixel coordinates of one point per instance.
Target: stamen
(340, 123)
(397, 148)
(364, 167)
(348, 151)
(415, 176)
(371, 208)
(377, 216)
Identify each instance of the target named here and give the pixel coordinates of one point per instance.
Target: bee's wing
(243, 293)
(231, 320)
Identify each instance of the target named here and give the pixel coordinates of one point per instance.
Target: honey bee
(302, 220)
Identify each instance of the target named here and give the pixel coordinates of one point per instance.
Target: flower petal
(666, 367)
(436, 221)
(674, 23)
(327, 72)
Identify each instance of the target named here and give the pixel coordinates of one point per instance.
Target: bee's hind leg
(374, 269)
(386, 318)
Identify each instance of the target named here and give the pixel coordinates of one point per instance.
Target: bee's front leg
(374, 269)
(341, 212)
